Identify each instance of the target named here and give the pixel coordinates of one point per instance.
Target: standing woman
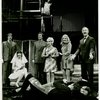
(66, 62)
(50, 53)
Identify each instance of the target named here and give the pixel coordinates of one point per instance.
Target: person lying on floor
(32, 88)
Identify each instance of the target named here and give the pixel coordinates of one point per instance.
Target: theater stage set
(23, 18)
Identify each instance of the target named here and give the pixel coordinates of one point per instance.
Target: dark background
(27, 27)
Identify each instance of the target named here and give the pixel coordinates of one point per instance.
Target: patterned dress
(50, 62)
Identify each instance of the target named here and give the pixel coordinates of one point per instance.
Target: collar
(40, 40)
(86, 37)
(9, 41)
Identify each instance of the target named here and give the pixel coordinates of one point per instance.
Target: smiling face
(85, 31)
(64, 38)
(9, 37)
(40, 36)
(50, 41)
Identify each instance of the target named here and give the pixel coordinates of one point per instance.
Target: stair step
(75, 72)
(31, 11)
(13, 83)
(32, 2)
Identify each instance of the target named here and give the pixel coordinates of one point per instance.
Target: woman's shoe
(18, 89)
(16, 84)
(65, 81)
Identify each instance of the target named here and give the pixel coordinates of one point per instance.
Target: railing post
(21, 8)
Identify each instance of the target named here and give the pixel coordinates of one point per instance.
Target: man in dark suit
(86, 50)
(37, 59)
(57, 89)
(9, 49)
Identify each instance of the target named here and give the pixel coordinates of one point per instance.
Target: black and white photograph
(49, 49)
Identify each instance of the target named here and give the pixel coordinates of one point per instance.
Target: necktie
(84, 40)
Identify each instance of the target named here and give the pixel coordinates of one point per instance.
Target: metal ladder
(32, 9)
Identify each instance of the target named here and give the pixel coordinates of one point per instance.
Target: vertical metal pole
(29, 55)
(21, 8)
(41, 14)
(22, 47)
(40, 5)
(1, 61)
(51, 16)
(21, 17)
(61, 23)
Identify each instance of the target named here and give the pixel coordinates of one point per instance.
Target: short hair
(85, 28)
(51, 39)
(40, 33)
(9, 34)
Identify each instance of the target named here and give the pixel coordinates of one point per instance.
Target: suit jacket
(86, 48)
(38, 48)
(9, 50)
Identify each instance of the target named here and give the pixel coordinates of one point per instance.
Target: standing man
(37, 59)
(9, 49)
(87, 55)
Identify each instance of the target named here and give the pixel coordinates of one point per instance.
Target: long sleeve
(34, 50)
(77, 51)
(13, 66)
(92, 46)
(61, 86)
(69, 49)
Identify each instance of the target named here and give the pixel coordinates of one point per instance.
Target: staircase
(77, 74)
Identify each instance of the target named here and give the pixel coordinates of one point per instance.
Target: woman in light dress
(50, 53)
(66, 61)
(18, 68)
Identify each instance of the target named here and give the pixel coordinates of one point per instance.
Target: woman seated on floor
(32, 88)
(18, 68)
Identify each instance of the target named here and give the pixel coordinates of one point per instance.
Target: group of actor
(45, 65)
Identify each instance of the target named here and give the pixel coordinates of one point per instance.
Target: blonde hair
(50, 39)
(68, 39)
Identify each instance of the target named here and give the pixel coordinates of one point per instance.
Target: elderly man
(86, 50)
